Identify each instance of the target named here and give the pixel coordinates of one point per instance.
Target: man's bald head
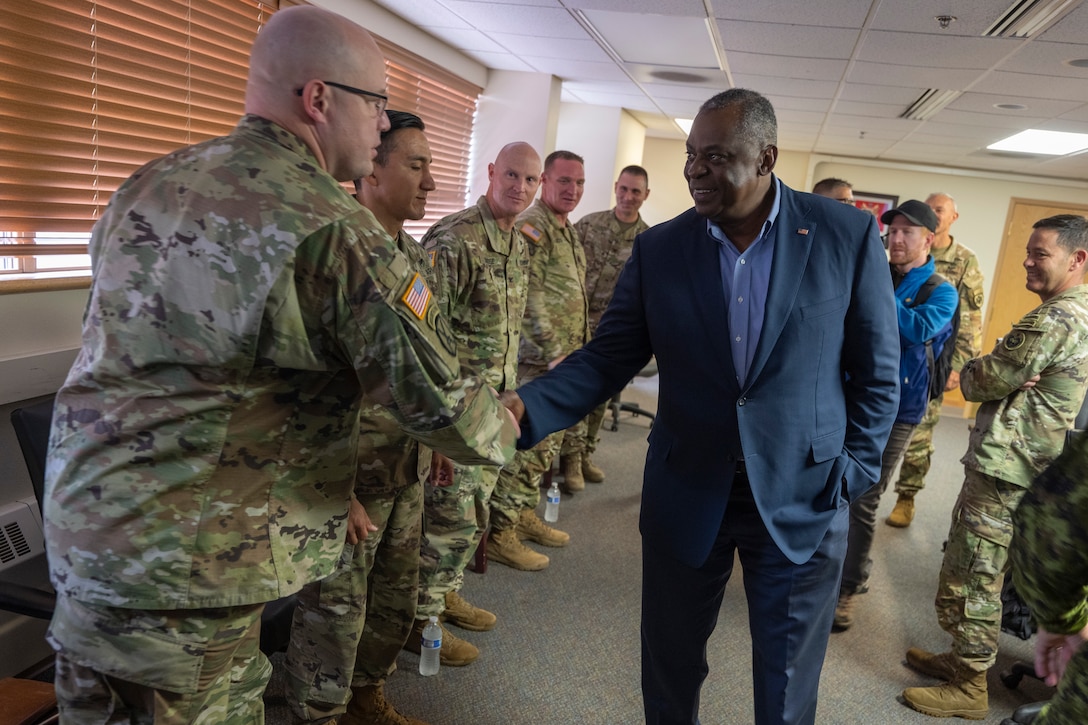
(512, 182)
(307, 68)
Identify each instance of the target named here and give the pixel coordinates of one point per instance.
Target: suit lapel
(793, 236)
(703, 267)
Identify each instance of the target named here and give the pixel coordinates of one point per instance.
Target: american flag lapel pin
(802, 231)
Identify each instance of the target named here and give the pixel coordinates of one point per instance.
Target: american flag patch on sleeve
(417, 297)
(532, 232)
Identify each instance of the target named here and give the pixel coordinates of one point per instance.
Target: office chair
(617, 406)
(32, 424)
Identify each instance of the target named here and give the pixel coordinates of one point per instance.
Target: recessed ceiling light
(1037, 141)
(1011, 106)
(684, 124)
(1078, 62)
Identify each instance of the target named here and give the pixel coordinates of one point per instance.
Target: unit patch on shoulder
(433, 254)
(1014, 340)
(417, 297)
(532, 232)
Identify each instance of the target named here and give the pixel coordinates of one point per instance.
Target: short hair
(397, 121)
(1072, 230)
(636, 170)
(828, 185)
(565, 155)
(947, 196)
(757, 120)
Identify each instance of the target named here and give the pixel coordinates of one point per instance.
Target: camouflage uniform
(484, 274)
(607, 243)
(958, 265)
(1017, 434)
(349, 627)
(204, 443)
(1049, 556)
(556, 323)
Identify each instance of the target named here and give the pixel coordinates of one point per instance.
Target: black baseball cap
(916, 212)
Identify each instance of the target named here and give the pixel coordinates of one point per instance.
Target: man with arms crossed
(771, 315)
(483, 264)
(1031, 387)
(606, 238)
(204, 444)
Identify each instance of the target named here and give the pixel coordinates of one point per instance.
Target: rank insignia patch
(417, 297)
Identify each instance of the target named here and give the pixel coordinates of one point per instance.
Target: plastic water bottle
(430, 649)
(551, 510)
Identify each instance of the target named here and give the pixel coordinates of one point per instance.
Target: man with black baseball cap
(918, 213)
(925, 304)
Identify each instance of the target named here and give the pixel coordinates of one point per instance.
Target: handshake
(512, 401)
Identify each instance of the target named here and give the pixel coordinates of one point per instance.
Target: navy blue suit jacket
(819, 401)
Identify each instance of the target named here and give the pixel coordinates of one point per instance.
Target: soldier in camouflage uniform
(958, 265)
(483, 264)
(1049, 556)
(555, 324)
(204, 443)
(349, 627)
(606, 238)
(1031, 387)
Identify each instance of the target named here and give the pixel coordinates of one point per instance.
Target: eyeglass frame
(383, 100)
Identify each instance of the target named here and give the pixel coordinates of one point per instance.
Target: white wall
(592, 133)
(514, 106)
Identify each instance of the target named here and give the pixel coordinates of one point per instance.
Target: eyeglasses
(382, 101)
(847, 201)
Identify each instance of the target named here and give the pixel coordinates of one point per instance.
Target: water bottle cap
(434, 619)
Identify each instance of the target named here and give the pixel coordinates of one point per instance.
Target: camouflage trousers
(349, 627)
(167, 667)
(456, 517)
(919, 454)
(1069, 705)
(518, 487)
(968, 599)
(583, 436)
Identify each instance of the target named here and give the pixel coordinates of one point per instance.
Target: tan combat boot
(466, 616)
(591, 472)
(532, 528)
(903, 513)
(506, 548)
(965, 696)
(368, 706)
(943, 666)
(571, 467)
(844, 613)
(455, 652)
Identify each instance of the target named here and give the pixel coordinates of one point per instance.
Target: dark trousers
(855, 573)
(790, 610)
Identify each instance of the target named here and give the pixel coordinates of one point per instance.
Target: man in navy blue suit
(771, 316)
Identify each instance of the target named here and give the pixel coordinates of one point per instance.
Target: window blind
(90, 90)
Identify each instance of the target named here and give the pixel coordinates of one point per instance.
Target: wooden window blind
(90, 90)
(447, 105)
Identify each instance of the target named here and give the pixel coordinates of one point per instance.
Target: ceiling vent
(929, 103)
(1028, 18)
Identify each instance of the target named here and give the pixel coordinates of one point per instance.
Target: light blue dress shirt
(745, 279)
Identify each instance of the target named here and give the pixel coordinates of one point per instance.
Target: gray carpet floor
(566, 648)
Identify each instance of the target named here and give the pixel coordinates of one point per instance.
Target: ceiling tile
(425, 13)
(783, 67)
(796, 41)
(690, 8)
(544, 22)
(677, 41)
(935, 51)
(829, 13)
